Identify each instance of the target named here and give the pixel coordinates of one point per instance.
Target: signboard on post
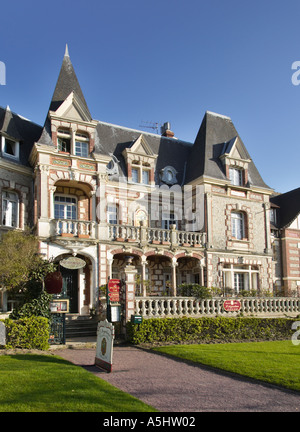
(114, 290)
(232, 305)
(113, 300)
(104, 347)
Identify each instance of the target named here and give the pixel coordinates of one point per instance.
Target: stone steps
(80, 327)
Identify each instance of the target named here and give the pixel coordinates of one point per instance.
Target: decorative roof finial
(67, 51)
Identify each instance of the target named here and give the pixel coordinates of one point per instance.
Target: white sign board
(104, 347)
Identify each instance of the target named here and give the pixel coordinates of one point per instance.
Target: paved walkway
(175, 386)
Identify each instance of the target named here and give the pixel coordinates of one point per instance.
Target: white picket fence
(161, 307)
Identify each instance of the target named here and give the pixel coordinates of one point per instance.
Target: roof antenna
(150, 125)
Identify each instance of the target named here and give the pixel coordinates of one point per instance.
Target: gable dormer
(140, 160)
(235, 160)
(73, 109)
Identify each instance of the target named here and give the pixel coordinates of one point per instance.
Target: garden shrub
(27, 333)
(36, 307)
(197, 291)
(160, 330)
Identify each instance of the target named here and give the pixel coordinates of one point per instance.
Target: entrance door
(70, 286)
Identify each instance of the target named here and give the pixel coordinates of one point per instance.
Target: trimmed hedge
(161, 330)
(27, 333)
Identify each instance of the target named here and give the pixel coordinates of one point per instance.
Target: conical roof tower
(67, 83)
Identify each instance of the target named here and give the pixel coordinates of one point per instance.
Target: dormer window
(140, 173)
(69, 142)
(81, 144)
(140, 160)
(236, 176)
(10, 148)
(145, 176)
(64, 140)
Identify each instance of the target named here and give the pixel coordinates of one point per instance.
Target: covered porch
(159, 272)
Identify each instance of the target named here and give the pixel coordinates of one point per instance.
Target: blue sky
(166, 60)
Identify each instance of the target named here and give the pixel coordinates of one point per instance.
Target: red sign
(232, 305)
(114, 290)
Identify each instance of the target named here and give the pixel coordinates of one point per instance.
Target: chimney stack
(166, 130)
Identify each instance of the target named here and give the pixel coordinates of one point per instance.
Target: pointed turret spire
(66, 84)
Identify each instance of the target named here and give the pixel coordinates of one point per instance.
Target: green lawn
(42, 383)
(274, 362)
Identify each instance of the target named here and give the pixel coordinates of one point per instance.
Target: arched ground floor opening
(158, 272)
(77, 283)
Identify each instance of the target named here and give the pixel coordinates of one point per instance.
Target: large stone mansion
(181, 212)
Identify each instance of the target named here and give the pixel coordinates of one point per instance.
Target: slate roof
(214, 132)
(67, 83)
(190, 160)
(289, 207)
(113, 139)
(20, 129)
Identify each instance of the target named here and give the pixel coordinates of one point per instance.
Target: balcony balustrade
(146, 235)
(140, 235)
(74, 228)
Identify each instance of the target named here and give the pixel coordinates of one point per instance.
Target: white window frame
(10, 217)
(140, 173)
(135, 177)
(16, 148)
(62, 136)
(112, 213)
(236, 176)
(73, 204)
(238, 225)
(82, 140)
(147, 174)
(248, 278)
(239, 281)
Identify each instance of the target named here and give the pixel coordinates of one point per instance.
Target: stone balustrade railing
(161, 307)
(144, 235)
(76, 228)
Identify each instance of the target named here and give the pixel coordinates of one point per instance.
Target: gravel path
(175, 386)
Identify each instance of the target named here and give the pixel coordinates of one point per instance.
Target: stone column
(267, 227)
(44, 169)
(144, 264)
(129, 292)
(52, 189)
(109, 267)
(174, 281)
(209, 219)
(202, 264)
